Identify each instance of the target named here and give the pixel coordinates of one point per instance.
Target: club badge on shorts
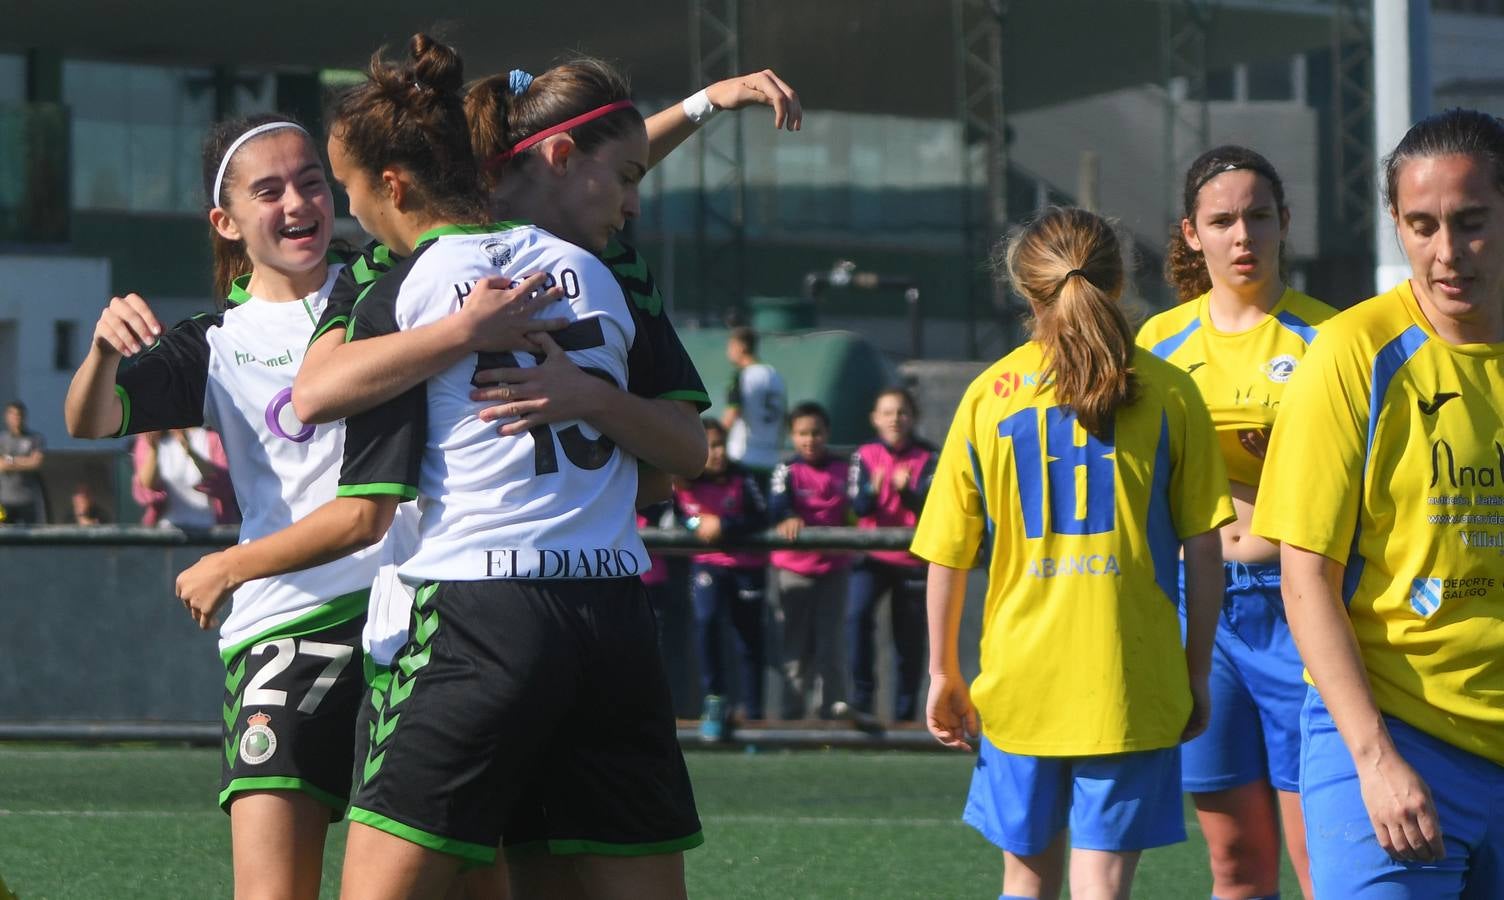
(259, 742)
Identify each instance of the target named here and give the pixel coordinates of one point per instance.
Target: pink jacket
(819, 494)
(221, 492)
(885, 507)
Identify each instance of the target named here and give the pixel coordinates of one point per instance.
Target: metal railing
(115, 539)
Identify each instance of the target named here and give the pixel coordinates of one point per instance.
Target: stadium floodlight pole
(844, 274)
(1401, 96)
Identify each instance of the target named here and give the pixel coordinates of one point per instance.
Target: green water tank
(841, 370)
(781, 315)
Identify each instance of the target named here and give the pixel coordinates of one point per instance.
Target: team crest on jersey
(1008, 382)
(259, 742)
(1280, 368)
(498, 251)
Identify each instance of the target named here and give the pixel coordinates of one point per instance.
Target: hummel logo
(1193, 367)
(1436, 402)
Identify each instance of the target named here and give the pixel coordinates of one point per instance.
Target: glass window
(136, 135)
(1272, 79)
(12, 78)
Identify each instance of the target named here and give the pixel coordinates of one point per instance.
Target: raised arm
(671, 127)
(93, 408)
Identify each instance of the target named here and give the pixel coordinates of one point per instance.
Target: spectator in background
(85, 509)
(754, 407)
(891, 477)
(811, 489)
(21, 455)
(182, 478)
(725, 502)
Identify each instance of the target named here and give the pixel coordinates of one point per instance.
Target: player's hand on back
(127, 326)
(949, 714)
(555, 390)
(499, 316)
(763, 87)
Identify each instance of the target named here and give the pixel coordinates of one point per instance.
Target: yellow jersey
(1389, 458)
(1081, 651)
(1241, 375)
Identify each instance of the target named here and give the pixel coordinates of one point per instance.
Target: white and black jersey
(233, 371)
(556, 502)
(756, 437)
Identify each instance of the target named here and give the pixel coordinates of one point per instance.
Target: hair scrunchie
(518, 81)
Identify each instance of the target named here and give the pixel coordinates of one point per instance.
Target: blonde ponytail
(1068, 264)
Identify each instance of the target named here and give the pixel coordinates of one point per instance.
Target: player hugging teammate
(616, 388)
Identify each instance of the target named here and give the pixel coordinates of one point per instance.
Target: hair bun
(434, 65)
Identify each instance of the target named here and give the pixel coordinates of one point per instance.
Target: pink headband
(563, 126)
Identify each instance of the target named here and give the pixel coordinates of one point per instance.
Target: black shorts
(289, 714)
(537, 710)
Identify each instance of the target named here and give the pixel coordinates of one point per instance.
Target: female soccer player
(291, 693)
(1385, 493)
(1240, 332)
(1077, 468)
(529, 618)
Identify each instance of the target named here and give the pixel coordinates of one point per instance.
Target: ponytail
(410, 115)
(505, 110)
(1068, 264)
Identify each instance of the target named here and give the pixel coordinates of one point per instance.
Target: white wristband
(698, 108)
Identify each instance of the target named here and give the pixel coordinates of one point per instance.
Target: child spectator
(811, 488)
(892, 476)
(725, 502)
(85, 509)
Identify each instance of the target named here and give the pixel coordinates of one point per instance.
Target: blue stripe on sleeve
(1295, 323)
(976, 473)
(1164, 543)
(1169, 345)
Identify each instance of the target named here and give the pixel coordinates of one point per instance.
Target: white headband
(224, 163)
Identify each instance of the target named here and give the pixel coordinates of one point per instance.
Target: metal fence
(95, 647)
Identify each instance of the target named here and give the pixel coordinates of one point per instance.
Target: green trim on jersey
(337, 611)
(463, 849)
(434, 234)
(698, 398)
(125, 411)
(379, 488)
(284, 783)
(601, 848)
(240, 290)
(336, 322)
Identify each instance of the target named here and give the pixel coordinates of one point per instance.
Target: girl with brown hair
(1077, 469)
(1240, 332)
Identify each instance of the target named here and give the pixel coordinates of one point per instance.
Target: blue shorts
(1118, 802)
(1257, 689)
(1346, 859)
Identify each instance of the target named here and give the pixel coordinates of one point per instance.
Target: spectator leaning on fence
(21, 494)
(891, 477)
(725, 502)
(811, 488)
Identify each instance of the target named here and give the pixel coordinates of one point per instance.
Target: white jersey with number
(555, 502)
(233, 372)
(756, 437)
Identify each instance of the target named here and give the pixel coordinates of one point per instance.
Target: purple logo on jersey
(274, 419)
